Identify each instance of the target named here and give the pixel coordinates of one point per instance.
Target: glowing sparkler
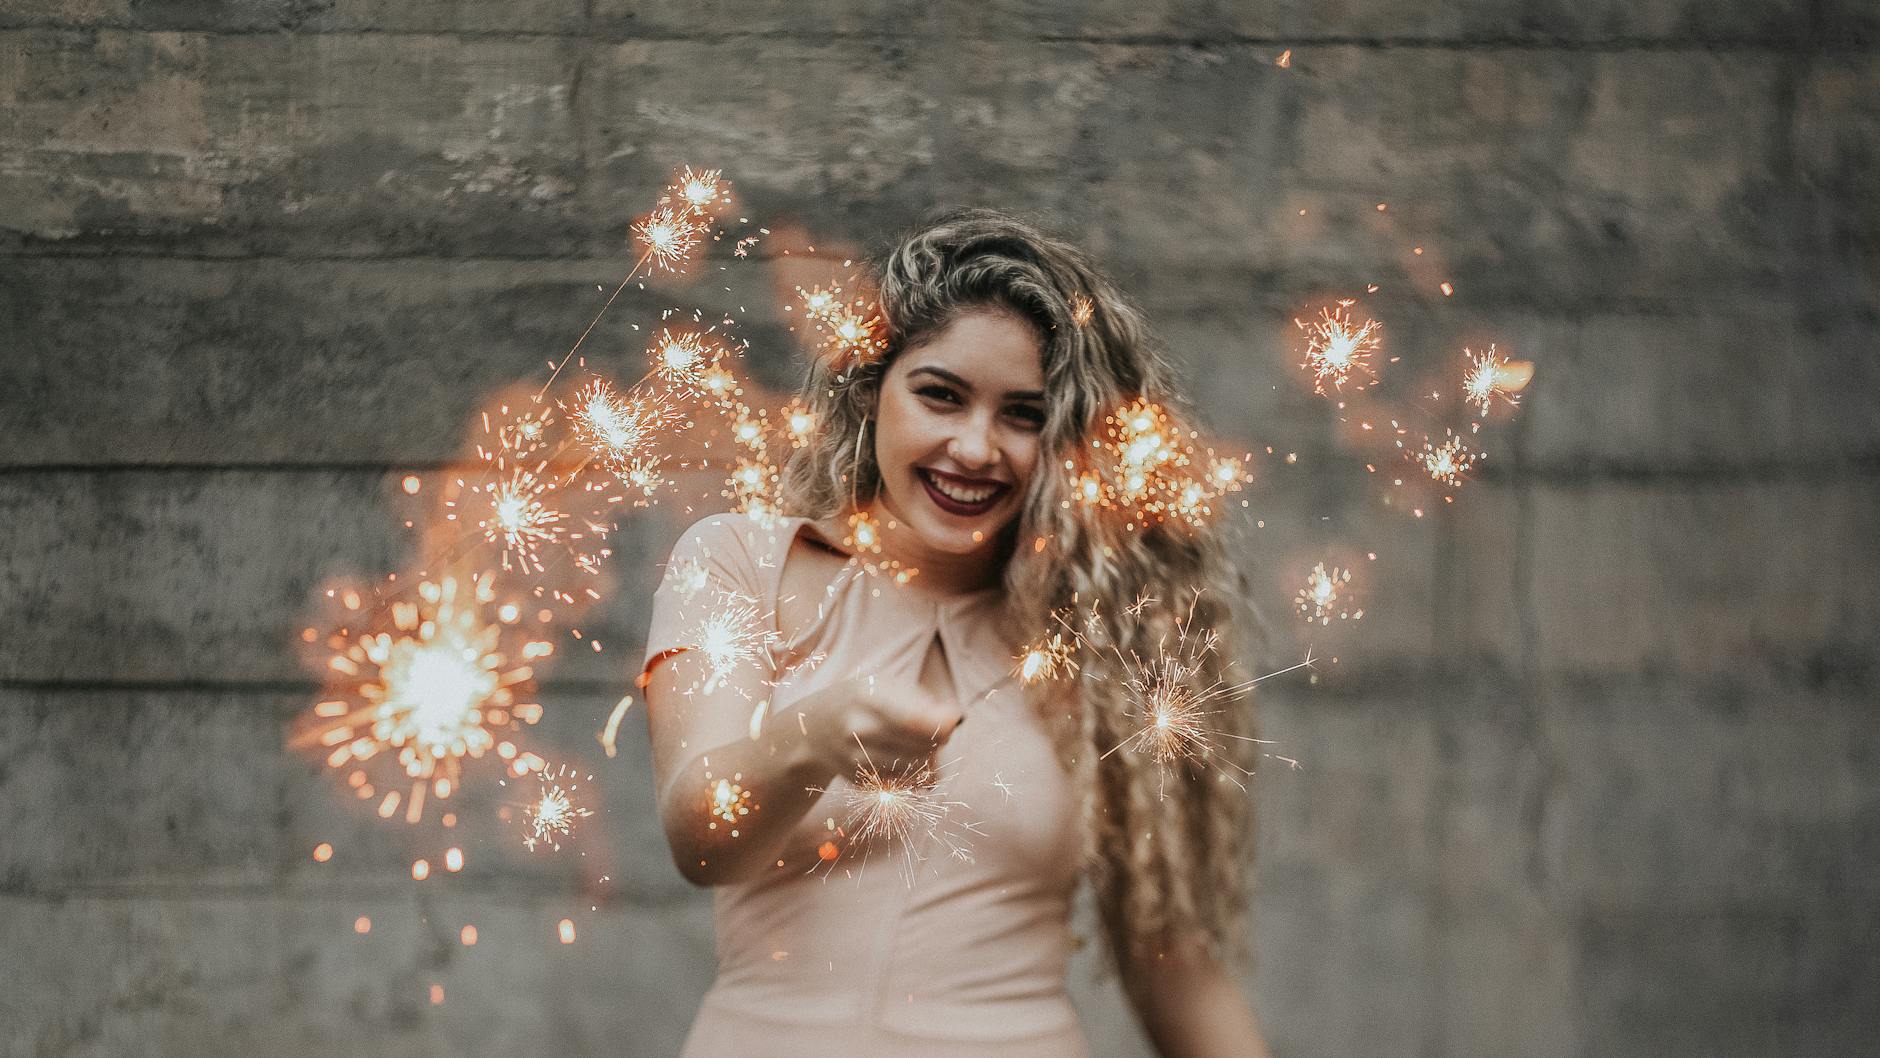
(901, 807)
(1150, 469)
(620, 430)
(552, 815)
(1048, 659)
(851, 329)
(1490, 376)
(1447, 462)
(1320, 599)
(703, 192)
(1339, 350)
(1175, 701)
(669, 236)
(727, 801)
(433, 689)
(730, 634)
(800, 422)
(682, 359)
(1082, 310)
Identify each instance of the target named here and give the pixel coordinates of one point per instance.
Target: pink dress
(865, 954)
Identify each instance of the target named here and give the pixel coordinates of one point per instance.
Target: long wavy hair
(1165, 850)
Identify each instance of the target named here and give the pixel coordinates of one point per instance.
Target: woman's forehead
(988, 349)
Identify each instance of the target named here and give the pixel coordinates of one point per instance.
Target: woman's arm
(700, 737)
(780, 769)
(1191, 1006)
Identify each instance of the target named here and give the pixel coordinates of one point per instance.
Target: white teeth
(967, 496)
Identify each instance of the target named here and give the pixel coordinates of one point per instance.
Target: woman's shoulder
(736, 547)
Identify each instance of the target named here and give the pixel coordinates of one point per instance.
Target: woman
(929, 534)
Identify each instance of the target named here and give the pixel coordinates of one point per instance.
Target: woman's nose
(971, 445)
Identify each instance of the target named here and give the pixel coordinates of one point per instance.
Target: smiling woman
(885, 719)
(957, 441)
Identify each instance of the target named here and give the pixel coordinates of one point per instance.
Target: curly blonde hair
(1165, 852)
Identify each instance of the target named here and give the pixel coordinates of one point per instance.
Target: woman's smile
(964, 496)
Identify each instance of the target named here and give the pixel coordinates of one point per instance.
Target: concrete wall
(1596, 774)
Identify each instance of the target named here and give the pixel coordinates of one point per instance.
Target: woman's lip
(953, 506)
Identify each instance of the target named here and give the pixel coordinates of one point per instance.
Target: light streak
(612, 730)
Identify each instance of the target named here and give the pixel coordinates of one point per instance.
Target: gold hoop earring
(855, 467)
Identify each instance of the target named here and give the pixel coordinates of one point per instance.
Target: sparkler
(1446, 463)
(434, 689)
(850, 330)
(1320, 597)
(1048, 659)
(1149, 468)
(729, 635)
(1082, 310)
(1172, 697)
(552, 815)
(1490, 376)
(1338, 349)
(727, 801)
(900, 806)
(619, 431)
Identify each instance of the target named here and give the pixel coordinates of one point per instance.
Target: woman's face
(957, 426)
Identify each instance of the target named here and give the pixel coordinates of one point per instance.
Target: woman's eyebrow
(948, 376)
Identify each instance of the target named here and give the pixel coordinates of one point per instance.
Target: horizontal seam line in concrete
(1859, 465)
(639, 896)
(224, 687)
(1378, 42)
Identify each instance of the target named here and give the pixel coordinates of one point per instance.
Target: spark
(683, 359)
(617, 429)
(864, 534)
(669, 236)
(521, 519)
(900, 806)
(1490, 376)
(1176, 702)
(1339, 350)
(523, 504)
(1149, 468)
(729, 635)
(1047, 659)
(801, 423)
(1446, 463)
(702, 191)
(1082, 310)
(551, 816)
(728, 801)
(850, 328)
(1320, 597)
(431, 690)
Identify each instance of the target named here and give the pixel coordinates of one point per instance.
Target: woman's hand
(881, 719)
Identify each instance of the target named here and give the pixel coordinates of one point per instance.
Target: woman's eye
(1030, 413)
(938, 393)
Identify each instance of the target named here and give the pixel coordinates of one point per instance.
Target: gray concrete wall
(1596, 774)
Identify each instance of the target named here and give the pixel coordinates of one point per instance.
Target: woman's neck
(939, 571)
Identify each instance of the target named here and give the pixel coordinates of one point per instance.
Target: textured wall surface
(1597, 774)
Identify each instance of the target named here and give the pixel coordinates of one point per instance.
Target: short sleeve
(715, 568)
